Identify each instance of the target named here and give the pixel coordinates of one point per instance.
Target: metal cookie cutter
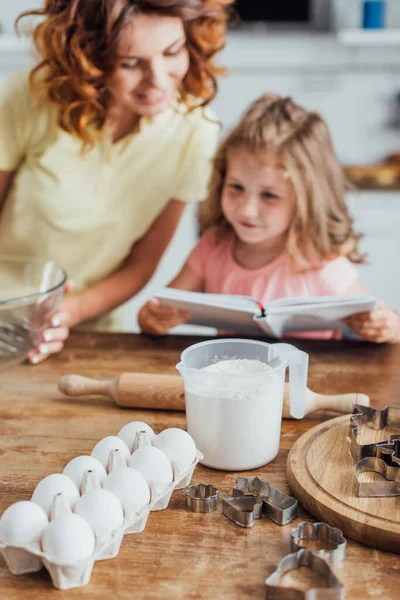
(303, 558)
(243, 510)
(382, 457)
(386, 463)
(321, 532)
(375, 419)
(202, 498)
(277, 506)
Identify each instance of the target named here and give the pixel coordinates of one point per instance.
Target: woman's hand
(156, 319)
(54, 336)
(380, 325)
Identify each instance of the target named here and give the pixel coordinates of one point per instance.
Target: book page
(297, 304)
(316, 317)
(222, 311)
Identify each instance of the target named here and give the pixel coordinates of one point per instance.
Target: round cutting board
(321, 475)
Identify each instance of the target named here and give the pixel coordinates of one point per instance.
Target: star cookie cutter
(242, 510)
(382, 457)
(276, 505)
(303, 558)
(202, 498)
(320, 532)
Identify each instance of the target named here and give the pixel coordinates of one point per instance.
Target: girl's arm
(109, 293)
(380, 325)
(187, 280)
(156, 319)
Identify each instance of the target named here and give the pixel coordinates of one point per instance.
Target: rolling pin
(165, 392)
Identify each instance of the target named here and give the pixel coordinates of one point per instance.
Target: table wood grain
(180, 554)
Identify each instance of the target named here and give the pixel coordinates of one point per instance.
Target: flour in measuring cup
(235, 388)
(238, 366)
(234, 411)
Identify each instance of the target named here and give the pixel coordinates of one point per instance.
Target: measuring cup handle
(298, 373)
(297, 361)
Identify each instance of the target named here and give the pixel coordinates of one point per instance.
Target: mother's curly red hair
(78, 41)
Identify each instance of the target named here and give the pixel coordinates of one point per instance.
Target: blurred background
(339, 57)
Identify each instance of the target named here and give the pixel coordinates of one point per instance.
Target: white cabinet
(377, 216)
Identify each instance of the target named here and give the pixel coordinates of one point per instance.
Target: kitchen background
(327, 61)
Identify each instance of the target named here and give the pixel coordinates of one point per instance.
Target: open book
(243, 314)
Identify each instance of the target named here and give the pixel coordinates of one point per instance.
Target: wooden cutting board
(321, 475)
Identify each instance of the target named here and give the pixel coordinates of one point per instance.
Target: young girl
(275, 223)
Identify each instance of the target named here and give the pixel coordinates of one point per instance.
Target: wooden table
(180, 554)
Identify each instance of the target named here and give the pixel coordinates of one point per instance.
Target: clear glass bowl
(30, 291)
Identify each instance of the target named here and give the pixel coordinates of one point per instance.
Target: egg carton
(22, 561)
(31, 558)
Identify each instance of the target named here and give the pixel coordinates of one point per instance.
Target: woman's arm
(137, 270)
(5, 182)
(116, 289)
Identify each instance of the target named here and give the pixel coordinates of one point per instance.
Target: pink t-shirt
(212, 260)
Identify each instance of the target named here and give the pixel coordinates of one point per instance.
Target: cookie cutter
(376, 419)
(390, 471)
(276, 505)
(202, 498)
(303, 558)
(382, 457)
(242, 510)
(320, 532)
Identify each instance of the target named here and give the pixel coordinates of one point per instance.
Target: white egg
(129, 431)
(68, 540)
(129, 486)
(52, 485)
(77, 467)
(102, 449)
(101, 509)
(177, 444)
(22, 523)
(152, 464)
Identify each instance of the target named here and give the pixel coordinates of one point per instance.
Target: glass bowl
(30, 291)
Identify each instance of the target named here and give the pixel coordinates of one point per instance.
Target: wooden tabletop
(180, 554)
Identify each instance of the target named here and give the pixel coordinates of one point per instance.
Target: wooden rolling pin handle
(342, 403)
(76, 385)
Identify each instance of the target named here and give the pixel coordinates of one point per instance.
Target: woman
(105, 141)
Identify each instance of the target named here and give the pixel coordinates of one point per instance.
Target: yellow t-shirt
(85, 211)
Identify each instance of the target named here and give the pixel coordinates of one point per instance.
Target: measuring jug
(235, 419)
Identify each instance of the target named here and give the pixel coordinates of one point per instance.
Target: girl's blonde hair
(322, 227)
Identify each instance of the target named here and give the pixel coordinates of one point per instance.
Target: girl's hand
(54, 336)
(156, 319)
(380, 325)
